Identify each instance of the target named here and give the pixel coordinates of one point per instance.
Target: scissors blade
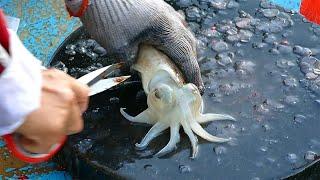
(105, 84)
(95, 76)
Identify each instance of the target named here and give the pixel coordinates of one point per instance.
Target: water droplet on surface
(271, 160)
(266, 4)
(284, 49)
(305, 67)
(61, 66)
(70, 52)
(114, 100)
(184, 169)
(302, 51)
(273, 104)
(71, 59)
(244, 68)
(310, 60)
(316, 71)
(298, 118)
(244, 23)
(266, 127)
(209, 33)
(311, 76)
(223, 28)
(220, 46)
(70, 47)
(261, 108)
(269, 27)
(259, 45)
(269, 13)
(219, 160)
(283, 22)
(193, 13)
(270, 38)
(290, 82)
(291, 100)
(272, 141)
(232, 4)
(96, 110)
(100, 50)
(184, 3)
(245, 35)
(92, 55)
(292, 158)
(223, 59)
(274, 51)
(82, 50)
(233, 38)
(316, 64)
(219, 4)
(310, 156)
(243, 14)
(91, 43)
(84, 145)
(263, 149)
(81, 43)
(147, 166)
(232, 31)
(220, 150)
(283, 63)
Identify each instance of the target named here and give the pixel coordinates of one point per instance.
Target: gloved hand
(121, 25)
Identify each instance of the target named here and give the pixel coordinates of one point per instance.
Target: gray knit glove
(121, 25)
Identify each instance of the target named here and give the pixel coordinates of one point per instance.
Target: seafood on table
(171, 103)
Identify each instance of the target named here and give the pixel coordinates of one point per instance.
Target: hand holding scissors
(97, 83)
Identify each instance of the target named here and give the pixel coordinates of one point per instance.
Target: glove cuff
(82, 9)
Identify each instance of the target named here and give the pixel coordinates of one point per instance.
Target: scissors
(97, 83)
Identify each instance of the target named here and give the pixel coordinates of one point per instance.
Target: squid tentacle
(152, 133)
(185, 122)
(214, 117)
(174, 139)
(204, 134)
(143, 117)
(192, 137)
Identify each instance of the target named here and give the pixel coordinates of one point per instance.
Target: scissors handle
(19, 152)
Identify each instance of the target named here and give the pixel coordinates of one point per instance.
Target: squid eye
(156, 94)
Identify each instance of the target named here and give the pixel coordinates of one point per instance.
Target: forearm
(20, 84)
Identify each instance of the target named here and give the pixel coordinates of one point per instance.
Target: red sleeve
(4, 36)
(311, 10)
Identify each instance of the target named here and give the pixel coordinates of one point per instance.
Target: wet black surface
(259, 65)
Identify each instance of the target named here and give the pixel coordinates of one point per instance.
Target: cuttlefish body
(171, 103)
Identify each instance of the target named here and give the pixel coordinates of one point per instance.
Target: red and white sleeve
(4, 41)
(20, 80)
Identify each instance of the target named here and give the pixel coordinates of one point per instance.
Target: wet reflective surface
(259, 63)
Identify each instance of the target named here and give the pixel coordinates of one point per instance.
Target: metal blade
(95, 76)
(105, 84)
